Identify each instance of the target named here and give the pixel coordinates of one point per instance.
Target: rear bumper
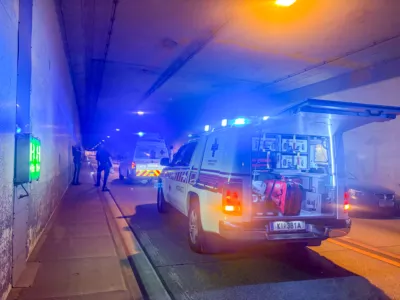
(315, 230)
(147, 175)
(141, 178)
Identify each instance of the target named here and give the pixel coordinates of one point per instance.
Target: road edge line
(149, 279)
(132, 283)
(377, 250)
(366, 253)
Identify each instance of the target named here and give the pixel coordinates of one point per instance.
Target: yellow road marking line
(372, 255)
(349, 240)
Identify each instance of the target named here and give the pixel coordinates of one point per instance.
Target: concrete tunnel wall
(53, 119)
(8, 94)
(372, 151)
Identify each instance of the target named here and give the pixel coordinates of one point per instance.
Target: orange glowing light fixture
(284, 2)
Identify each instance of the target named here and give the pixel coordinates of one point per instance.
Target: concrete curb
(148, 277)
(132, 284)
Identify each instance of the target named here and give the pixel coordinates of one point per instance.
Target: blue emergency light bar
(239, 121)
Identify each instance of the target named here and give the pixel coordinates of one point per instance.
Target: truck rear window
(150, 152)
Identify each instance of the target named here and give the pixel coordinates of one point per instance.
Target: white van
(277, 179)
(143, 165)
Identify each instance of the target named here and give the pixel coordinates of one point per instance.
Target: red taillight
(133, 165)
(231, 203)
(346, 202)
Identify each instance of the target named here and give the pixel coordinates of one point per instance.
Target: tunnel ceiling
(186, 61)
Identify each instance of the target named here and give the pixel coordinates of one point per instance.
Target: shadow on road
(164, 239)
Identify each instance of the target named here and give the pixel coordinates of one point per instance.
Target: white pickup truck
(276, 179)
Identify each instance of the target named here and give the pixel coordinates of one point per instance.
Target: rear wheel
(199, 241)
(121, 177)
(129, 180)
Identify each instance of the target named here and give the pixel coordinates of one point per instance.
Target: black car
(366, 197)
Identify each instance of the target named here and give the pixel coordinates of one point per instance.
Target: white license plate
(288, 226)
(386, 203)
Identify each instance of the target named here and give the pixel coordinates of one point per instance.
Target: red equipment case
(287, 195)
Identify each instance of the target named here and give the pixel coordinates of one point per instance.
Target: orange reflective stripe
(140, 173)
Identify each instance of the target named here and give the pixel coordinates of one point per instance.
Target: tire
(128, 179)
(199, 241)
(161, 204)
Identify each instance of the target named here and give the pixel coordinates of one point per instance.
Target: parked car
(371, 198)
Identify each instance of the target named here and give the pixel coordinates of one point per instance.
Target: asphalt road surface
(364, 265)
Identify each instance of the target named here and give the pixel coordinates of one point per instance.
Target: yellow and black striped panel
(148, 173)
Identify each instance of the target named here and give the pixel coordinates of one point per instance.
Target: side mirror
(164, 161)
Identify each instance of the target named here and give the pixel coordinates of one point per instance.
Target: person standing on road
(77, 154)
(103, 158)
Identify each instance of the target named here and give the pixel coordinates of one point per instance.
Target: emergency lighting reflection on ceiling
(207, 128)
(285, 2)
(224, 122)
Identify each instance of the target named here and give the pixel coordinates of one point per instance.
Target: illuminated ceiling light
(240, 121)
(224, 122)
(141, 134)
(140, 113)
(207, 128)
(117, 129)
(103, 140)
(265, 118)
(108, 136)
(284, 2)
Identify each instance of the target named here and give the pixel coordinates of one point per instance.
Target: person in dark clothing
(77, 154)
(103, 158)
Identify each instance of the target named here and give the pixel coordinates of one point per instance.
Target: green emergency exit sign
(34, 160)
(27, 158)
